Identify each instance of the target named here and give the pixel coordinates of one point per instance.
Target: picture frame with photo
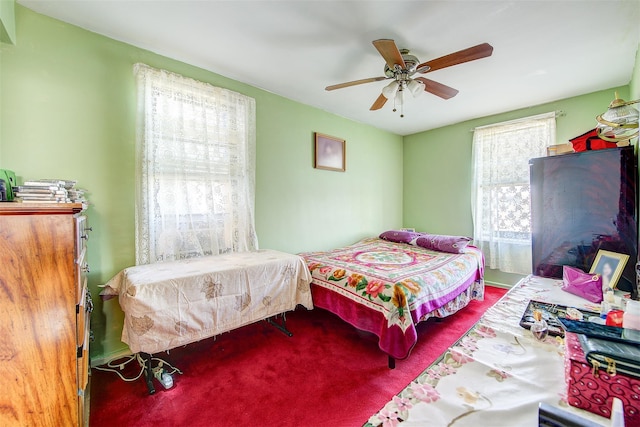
(610, 266)
(329, 153)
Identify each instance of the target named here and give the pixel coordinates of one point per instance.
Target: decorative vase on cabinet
(44, 314)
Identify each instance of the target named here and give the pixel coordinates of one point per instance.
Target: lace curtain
(195, 167)
(500, 192)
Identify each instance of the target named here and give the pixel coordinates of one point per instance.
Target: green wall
(7, 21)
(67, 111)
(437, 195)
(635, 79)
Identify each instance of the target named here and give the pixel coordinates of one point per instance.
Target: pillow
(443, 243)
(585, 285)
(399, 236)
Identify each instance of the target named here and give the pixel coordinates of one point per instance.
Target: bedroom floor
(328, 373)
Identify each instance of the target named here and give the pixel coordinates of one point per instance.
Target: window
(195, 164)
(500, 192)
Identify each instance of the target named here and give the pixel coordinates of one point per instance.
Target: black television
(581, 203)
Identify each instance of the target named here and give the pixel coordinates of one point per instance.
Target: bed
(171, 304)
(387, 284)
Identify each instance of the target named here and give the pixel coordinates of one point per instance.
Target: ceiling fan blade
(438, 89)
(379, 103)
(355, 82)
(471, 54)
(390, 53)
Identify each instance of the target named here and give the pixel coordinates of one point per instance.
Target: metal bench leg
(148, 372)
(282, 327)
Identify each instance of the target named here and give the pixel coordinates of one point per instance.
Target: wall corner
(7, 22)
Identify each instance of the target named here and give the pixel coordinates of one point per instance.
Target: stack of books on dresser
(49, 191)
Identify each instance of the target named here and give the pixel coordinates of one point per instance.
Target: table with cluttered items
(516, 360)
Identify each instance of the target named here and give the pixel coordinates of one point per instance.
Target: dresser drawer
(82, 235)
(83, 359)
(82, 415)
(82, 314)
(82, 268)
(83, 319)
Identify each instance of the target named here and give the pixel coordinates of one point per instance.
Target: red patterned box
(595, 393)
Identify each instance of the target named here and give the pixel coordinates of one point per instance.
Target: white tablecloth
(170, 304)
(496, 374)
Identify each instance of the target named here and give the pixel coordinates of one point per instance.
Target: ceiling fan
(401, 66)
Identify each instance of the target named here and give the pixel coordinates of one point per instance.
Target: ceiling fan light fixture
(390, 90)
(399, 100)
(620, 122)
(416, 87)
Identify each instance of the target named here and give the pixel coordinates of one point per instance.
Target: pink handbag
(585, 285)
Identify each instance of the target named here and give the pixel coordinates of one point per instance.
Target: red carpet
(327, 374)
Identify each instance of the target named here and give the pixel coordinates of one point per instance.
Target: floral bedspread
(386, 288)
(496, 374)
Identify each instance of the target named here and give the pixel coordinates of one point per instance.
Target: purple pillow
(443, 243)
(399, 236)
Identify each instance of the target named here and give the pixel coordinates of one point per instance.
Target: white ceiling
(543, 50)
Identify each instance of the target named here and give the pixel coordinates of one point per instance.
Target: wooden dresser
(44, 314)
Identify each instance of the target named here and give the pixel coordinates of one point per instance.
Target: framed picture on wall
(610, 266)
(329, 152)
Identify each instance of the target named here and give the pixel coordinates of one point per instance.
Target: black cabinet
(580, 203)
